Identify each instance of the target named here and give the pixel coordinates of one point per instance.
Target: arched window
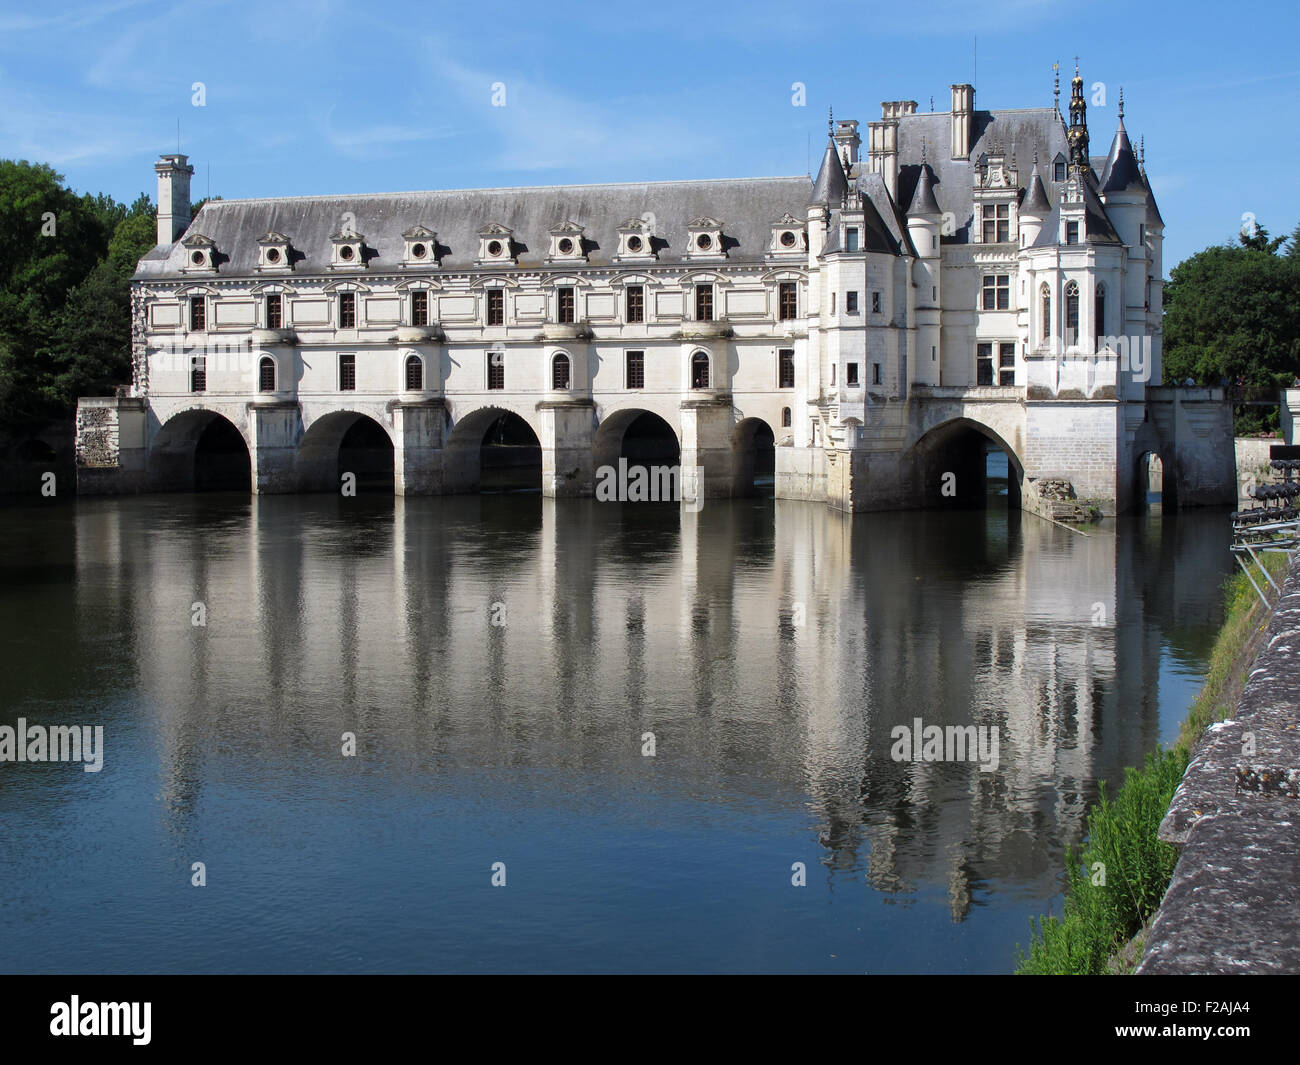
(560, 372)
(700, 370)
(785, 417)
(1071, 313)
(1045, 299)
(1099, 312)
(266, 374)
(414, 373)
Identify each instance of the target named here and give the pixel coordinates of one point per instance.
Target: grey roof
(1121, 171)
(746, 208)
(1097, 226)
(885, 230)
(923, 201)
(831, 184)
(1153, 212)
(1036, 201)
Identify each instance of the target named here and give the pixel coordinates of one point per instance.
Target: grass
(1116, 882)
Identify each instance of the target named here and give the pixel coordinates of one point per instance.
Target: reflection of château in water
(770, 648)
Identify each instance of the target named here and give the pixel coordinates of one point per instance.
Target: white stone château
(973, 279)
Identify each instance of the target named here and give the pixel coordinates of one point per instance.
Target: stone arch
(517, 467)
(200, 449)
(753, 457)
(1153, 462)
(959, 446)
(637, 435)
(346, 441)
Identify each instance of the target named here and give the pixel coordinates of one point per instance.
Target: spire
(923, 201)
(1142, 155)
(1036, 197)
(831, 187)
(1121, 105)
(1056, 88)
(1077, 135)
(1122, 170)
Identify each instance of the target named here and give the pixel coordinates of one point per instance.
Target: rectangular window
(496, 306)
(785, 368)
(984, 364)
(1071, 232)
(788, 301)
(347, 373)
(832, 303)
(198, 373)
(198, 314)
(875, 373)
(496, 370)
(419, 308)
(636, 369)
(996, 292)
(704, 303)
(635, 297)
(997, 223)
(564, 306)
(274, 311)
(850, 303)
(1007, 364)
(348, 310)
(851, 375)
(851, 239)
(875, 303)
(832, 373)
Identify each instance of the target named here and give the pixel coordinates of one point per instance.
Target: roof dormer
(705, 239)
(789, 238)
(636, 240)
(273, 252)
(348, 248)
(567, 244)
(421, 247)
(496, 245)
(200, 255)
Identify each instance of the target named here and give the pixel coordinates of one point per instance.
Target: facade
(972, 279)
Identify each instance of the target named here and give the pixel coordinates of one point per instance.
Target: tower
(174, 173)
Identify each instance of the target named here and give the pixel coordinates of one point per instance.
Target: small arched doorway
(753, 458)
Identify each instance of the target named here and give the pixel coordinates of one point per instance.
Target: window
(635, 297)
(1071, 313)
(1071, 232)
(851, 239)
(560, 372)
(348, 310)
(704, 303)
(875, 303)
(1007, 364)
(785, 417)
(274, 312)
(347, 373)
(496, 370)
(266, 374)
(875, 373)
(934, 353)
(832, 303)
(198, 373)
(419, 308)
(851, 375)
(564, 306)
(997, 292)
(414, 373)
(984, 364)
(788, 301)
(1142, 235)
(997, 223)
(1058, 168)
(496, 306)
(198, 314)
(1099, 312)
(850, 303)
(785, 368)
(832, 373)
(636, 369)
(699, 370)
(1045, 299)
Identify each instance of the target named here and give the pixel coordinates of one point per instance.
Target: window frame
(494, 307)
(198, 314)
(496, 371)
(347, 305)
(262, 364)
(276, 300)
(413, 361)
(347, 371)
(700, 381)
(634, 360)
(704, 302)
(787, 301)
(419, 307)
(784, 363)
(566, 305)
(634, 304)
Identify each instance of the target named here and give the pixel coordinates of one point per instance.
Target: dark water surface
(769, 646)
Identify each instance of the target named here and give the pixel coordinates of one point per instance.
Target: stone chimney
(174, 173)
(847, 141)
(963, 113)
(882, 142)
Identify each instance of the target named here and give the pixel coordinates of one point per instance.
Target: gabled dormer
(200, 255)
(274, 253)
(420, 247)
(996, 194)
(566, 244)
(496, 245)
(704, 239)
(347, 252)
(789, 239)
(635, 241)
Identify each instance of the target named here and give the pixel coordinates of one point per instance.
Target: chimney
(882, 142)
(174, 173)
(963, 107)
(846, 137)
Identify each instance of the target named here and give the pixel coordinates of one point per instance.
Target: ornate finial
(1121, 103)
(1076, 66)
(923, 151)
(1056, 87)
(1142, 154)
(830, 121)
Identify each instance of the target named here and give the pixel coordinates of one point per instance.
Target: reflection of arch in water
(346, 442)
(952, 462)
(200, 450)
(492, 449)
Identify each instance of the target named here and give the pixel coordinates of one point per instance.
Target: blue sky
(317, 96)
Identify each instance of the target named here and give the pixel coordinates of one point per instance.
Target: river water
(506, 664)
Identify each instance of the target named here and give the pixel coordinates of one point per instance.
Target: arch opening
(346, 442)
(966, 465)
(640, 437)
(493, 451)
(1152, 484)
(753, 453)
(200, 451)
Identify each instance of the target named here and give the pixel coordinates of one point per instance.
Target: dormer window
(273, 252)
(566, 243)
(1058, 168)
(635, 241)
(997, 223)
(851, 239)
(788, 239)
(420, 247)
(200, 254)
(705, 239)
(348, 249)
(496, 244)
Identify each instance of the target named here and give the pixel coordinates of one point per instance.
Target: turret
(924, 221)
(1034, 211)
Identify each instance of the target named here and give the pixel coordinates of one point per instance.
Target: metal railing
(1272, 524)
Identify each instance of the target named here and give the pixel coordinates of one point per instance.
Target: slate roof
(1036, 201)
(1121, 170)
(923, 201)
(746, 207)
(1097, 226)
(831, 183)
(885, 227)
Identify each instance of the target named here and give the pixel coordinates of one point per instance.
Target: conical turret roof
(923, 201)
(831, 186)
(1121, 171)
(1036, 202)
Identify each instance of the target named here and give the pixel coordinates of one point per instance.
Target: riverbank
(1116, 883)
